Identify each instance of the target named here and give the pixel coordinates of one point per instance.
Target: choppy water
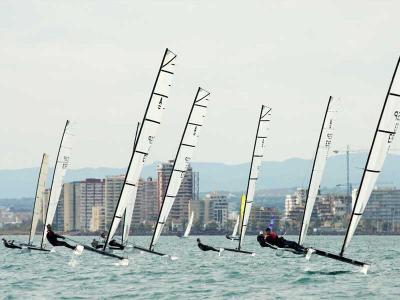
(198, 275)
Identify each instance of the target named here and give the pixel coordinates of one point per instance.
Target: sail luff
(37, 206)
(181, 162)
(148, 129)
(385, 132)
(61, 165)
(256, 160)
(321, 154)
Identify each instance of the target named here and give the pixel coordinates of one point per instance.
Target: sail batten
(256, 160)
(62, 163)
(183, 157)
(38, 206)
(145, 139)
(321, 155)
(385, 132)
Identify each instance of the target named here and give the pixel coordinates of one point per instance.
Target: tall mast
(146, 136)
(38, 196)
(256, 160)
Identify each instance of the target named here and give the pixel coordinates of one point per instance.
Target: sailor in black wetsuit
(52, 238)
(115, 245)
(205, 247)
(10, 244)
(268, 238)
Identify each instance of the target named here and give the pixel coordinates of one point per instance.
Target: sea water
(200, 275)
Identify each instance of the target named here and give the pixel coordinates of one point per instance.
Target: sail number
(65, 162)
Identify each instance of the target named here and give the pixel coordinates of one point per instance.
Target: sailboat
(61, 165)
(189, 226)
(145, 139)
(183, 157)
(37, 206)
(321, 154)
(320, 158)
(385, 132)
(234, 236)
(255, 165)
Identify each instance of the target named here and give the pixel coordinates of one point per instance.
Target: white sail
(37, 206)
(189, 226)
(184, 155)
(147, 133)
(321, 155)
(235, 229)
(60, 168)
(388, 125)
(130, 206)
(258, 153)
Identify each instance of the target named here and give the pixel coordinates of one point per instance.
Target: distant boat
(37, 207)
(189, 226)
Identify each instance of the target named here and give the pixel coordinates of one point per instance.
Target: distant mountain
(289, 173)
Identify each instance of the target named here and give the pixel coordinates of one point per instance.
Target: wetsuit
(114, 243)
(273, 239)
(10, 244)
(206, 248)
(52, 238)
(96, 245)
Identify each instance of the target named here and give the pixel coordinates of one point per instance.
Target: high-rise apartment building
(188, 191)
(112, 191)
(92, 201)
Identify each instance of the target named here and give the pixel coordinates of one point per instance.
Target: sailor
(52, 237)
(114, 243)
(10, 244)
(205, 247)
(268, 238)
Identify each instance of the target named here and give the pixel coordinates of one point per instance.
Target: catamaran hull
(337, 257)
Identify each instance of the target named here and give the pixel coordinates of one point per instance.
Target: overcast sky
(95, 62)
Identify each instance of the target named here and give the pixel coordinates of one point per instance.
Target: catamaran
(321, 154)
(255, 165)
(37, 206)
(183, 157)
(385, 132)
(145, 138)
(61, 165)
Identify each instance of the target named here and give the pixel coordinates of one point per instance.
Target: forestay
(184, 155)
(388, 125)
(321, 155)
(60, 168)
(189, 226)
(147, 133)
(258, 153)
(37, 206)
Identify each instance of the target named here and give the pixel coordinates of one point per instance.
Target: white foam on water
(364, 269)
(173, 257)
(124, 262)
(309, 253)
(221, 250)
(78, 250)
(53, 250)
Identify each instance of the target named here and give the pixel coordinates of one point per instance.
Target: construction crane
(348, 151)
